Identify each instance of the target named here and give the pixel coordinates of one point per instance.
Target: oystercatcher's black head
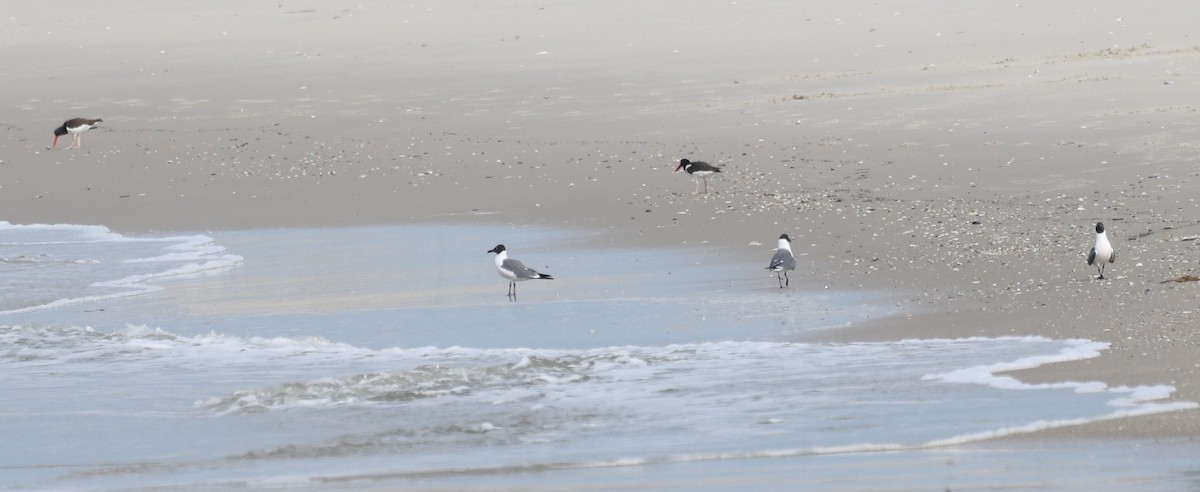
(58, 132)
(498, 249)
(682, 164)
(1099, 228)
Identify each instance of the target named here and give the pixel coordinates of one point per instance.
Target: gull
(698, 169)
(74, 126)
(1102, 252)
(514, 270)
(783, 260)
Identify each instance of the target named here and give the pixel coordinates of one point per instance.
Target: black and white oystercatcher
(514, 270)
(1102, 252)
(783, 260)
(698, 169)
(74, 126)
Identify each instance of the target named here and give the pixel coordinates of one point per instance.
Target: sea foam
(92, 263)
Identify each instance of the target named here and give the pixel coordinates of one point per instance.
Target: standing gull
(514, 270)
(698, 169)
(74, 126)
(783, 260)
(1102, 252)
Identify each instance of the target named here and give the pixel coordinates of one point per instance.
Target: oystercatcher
(783, 260)
(74, 126)
(1102, 252)
(514, 270)
(700, 169)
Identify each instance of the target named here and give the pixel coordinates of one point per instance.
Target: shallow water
(390, 356)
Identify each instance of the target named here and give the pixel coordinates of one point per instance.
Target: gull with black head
(514, 270)
(1102, 252)
(783, 260)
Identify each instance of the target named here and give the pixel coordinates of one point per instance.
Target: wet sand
(956, 156)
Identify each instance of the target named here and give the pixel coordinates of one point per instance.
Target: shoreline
(956, 159)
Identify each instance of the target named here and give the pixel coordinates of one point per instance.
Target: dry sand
(955, 155)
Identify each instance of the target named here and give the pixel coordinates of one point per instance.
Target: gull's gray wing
(520, 270)
(783, 260)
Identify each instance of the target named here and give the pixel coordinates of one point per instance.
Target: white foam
(86, 233)
(1075, 350)
(1041, 425)
(591, 408)
(1133, 401)
(187, 256)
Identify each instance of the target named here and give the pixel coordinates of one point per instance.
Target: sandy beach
(957, 156)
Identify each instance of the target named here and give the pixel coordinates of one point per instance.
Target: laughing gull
(74, 126)
(1102, 252)
(514, 270)
(698, 169)
(783, 260)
